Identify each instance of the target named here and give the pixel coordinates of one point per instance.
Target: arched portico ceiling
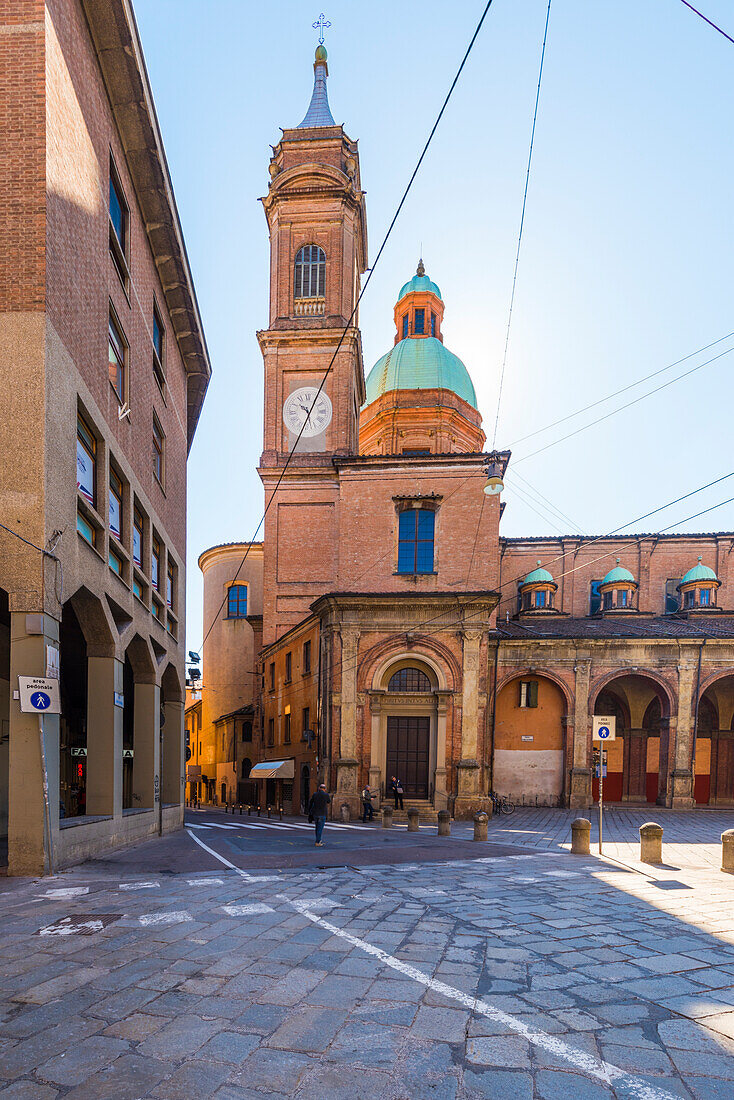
(171, 684)
(627, 685)
(95, 622)
(141, 659)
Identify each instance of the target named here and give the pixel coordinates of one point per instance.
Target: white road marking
(205, 881)
(562, 874)
(176, 917)
(319, 903)
(139, 886)
(601, 1070)
(246, 910)
(226, 862)
(66, 892)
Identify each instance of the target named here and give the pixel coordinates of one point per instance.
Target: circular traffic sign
(40, 700)
(603, 732)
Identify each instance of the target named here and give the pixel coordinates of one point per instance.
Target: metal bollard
(413, 820)
(249, 810)
(580, 834)
(727, 851)
(651, 843)
(240, 809)
(444, 823)
(387, 817)
(281, 813)
(258, 810)
(480, 826)
(344, 808)
(268, 811)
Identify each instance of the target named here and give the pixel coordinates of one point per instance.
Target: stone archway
(529, 740)
(638, 759)
(714, 752)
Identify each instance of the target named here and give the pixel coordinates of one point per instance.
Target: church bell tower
(315, 210)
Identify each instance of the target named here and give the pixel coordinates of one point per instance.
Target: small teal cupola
(319, 112)
(618, 589)
(698, 588)
(537, 591)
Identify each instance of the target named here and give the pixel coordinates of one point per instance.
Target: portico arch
(638, 759)
(714, 752)
(530, 738)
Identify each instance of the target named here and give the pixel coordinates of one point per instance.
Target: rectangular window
(159, 445)
(118, 211)
(288, 667)
(157, 609)
(405, 326)
(85, 529)
(415, 540)
(287, 727)
(688, 598)
(705, 597)
(540, 599)
(672, 598)
(594, 597)
(169, 583)
(117, 348)
(419, 322)
(623, 598)
(433, 323)
(528, 693)
(137, 589)
(158, 372)
(272, 676)
(607, 600)
(271, 731)
(155, 562)
(306, 657)
(115, 562)
(138, 526)
(247, 731)
(115, 504)
(86, 461)
(306, 719)
(237, 601)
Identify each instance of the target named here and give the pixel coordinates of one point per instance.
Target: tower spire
(318, 113)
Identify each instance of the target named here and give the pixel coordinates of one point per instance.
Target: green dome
(420, 363)
(618, 575)
(420, 283)
(539, 576)
(699, 573)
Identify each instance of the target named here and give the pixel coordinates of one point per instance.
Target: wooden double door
(408, 750)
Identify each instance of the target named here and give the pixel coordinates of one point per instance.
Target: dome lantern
(698, 587)
(538, 590)
(618, 589)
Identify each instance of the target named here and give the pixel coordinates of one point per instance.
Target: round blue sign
(603, 732)
(40, 700)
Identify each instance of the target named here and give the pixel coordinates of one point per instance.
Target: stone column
(171, 766)
(376, 777)
(580, 795)
(347, 765)
(469, 798)
(441, 794)
(27, 842)
(146, 745)
(682, 779)
(104, 737)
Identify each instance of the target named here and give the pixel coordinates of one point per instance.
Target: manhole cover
(79, 925)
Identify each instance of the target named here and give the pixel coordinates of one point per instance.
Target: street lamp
(494, 484)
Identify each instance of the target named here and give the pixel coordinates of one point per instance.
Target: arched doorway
(637, 760)
(411, 712)
(529, 738)
(714, 753)
(305, 788)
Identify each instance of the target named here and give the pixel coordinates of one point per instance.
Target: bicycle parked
(501, 804)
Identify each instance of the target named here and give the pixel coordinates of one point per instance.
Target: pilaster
(580, 793)
(682, 777)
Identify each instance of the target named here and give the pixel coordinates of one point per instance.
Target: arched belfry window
(309, 279)
(409, 679)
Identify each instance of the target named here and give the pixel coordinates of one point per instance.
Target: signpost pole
(601, 796)
(46, 803)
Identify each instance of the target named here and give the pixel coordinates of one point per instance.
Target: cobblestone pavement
(506, 976)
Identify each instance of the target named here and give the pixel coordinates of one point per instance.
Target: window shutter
(533, 693)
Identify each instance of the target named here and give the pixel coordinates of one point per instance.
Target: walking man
(317, 808)
(397, 789)
(368, 811)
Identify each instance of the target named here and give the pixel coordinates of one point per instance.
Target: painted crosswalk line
(176, 917)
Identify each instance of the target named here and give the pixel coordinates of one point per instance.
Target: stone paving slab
(528, 975)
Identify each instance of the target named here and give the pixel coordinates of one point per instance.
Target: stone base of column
(346, 787)
(580, 794)
(470, 799)
(440, 794)
(681, 790)
(375, 784)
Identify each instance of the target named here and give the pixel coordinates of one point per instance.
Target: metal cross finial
(321, 24)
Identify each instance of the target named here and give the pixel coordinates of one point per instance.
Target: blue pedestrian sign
(39, 695)
(603, 728)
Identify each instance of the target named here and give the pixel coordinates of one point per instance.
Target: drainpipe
(695, 720)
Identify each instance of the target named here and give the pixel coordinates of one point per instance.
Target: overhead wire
(356, 305)
(709, 21)
(522, 226)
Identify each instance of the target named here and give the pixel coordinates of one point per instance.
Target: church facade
(401, 634)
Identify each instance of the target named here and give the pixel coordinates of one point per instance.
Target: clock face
(304, 407)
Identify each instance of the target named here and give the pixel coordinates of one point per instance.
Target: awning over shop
(274, 769)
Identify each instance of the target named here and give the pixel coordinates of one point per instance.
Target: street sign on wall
(39, 695)
(603, 728)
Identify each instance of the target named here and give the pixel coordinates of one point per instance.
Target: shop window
(409, 679)
(309, 276)
(415, 540)
(117, 358)
(115, 504)
(237, 601)
(158, 372)
(86, 461)
(306, 658)
(528, 693)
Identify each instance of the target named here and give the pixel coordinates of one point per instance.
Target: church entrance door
(408, 741)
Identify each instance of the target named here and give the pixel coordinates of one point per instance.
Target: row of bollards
(651, 843)
(444, 822)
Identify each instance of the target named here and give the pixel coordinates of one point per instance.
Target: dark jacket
(319, 804)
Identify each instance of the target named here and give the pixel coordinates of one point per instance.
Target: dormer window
(537, 591)
(698, 587)
(309, 276)
(618, 589)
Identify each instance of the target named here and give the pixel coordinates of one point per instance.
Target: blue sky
(627, 251)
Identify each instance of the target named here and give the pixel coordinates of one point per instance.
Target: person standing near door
(317, 809)
(397, 790)
(368, 810)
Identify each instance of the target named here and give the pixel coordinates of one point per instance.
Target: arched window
(309, 277)
(409, 679)
(415, 540)
(246, 768)
(237, 602)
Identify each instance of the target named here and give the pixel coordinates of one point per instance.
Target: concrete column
(171, 765)
(27, 844)
(104, 737)
(146, 745)
(682, 779)
(580, 794)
